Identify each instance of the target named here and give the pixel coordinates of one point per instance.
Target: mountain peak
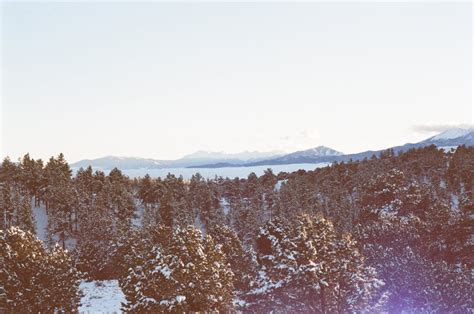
(325, 151)
(318, 151)
(452, 133)
(315, 152)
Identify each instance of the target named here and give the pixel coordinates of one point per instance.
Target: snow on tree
(413, 279)
(95, 238)
(16, 208)
(8, 205)
(242, 261)
(276, 255)
(205, 201)
(63, 281)
(312, 268)
(393, 194)
(33, 279)
(411, 214)
(24, 215)
(191, 274)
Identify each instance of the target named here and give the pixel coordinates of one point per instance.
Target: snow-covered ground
(225, 206)
(279, 183)
(41, 219)
(101, 297)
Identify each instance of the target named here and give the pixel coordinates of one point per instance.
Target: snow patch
(225, 206)
(279, 183)
(447, 149)
(41, 219)
(101, 296)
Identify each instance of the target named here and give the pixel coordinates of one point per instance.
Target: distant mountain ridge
(246, 155)
(194, 159)
(110, 162)
(446, 139)
(319, 154)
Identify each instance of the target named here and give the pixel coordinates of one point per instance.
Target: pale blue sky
(161, 80)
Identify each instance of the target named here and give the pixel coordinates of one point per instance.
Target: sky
(161, 80)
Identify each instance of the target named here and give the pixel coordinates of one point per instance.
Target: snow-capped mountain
(195, 159)
(125, 163)
(313, 155)
(320, 151)
(452, 134)
(452, 137)
(245, 156)
(447, 139)
(203, 159)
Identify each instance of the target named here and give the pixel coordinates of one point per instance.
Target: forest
(388, 234)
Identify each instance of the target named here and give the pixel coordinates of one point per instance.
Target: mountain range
(202, 159)
(192, 160)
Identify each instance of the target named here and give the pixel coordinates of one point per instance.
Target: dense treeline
(393, 233)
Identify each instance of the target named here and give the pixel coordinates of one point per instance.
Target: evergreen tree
(191, 274)
(24, 215)
(31, 176)
(95, 239)
(310, 267)
(7, 205)
(33, 280)
(242, 261)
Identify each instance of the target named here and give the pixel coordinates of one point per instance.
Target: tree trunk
(323, 300)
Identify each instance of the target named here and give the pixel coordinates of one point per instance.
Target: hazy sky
(160, 80)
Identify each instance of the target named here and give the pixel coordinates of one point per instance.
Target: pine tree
(277, 260)
(33, 280)
(16, 209)
(63, 282)
(24, 215)
(191, 274)
(121, 197)
(8, 205)
(31, 176)
(60, 200)
(413, 281)
(9, 172)
(242, 261)
(145, 190)
(310, 267)
(95, 239)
